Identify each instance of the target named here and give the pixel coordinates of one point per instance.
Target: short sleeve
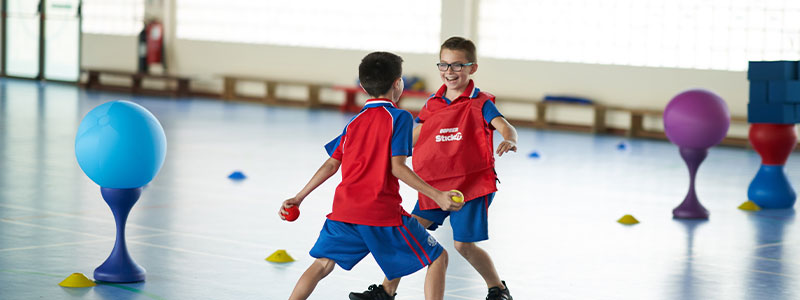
(402, 134)
(490, 111)
(423, 114)
(333, 148)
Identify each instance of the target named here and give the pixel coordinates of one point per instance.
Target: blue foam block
(772, 70)
(783, 91)
(797, 114)
(773, 113)
(758, 91)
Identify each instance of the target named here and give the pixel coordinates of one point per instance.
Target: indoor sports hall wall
(635, 87)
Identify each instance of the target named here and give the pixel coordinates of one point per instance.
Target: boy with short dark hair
(367, 216)
(453, 149)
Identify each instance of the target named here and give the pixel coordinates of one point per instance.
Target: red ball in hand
(292, 213)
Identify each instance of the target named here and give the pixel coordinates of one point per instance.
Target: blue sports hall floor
(553, 229)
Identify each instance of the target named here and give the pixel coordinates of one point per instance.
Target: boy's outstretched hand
(445, 201)
(287, 204)
(506, 146)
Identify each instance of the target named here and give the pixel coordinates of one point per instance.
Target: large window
(117, 17)
(709, 34)
(409, 25)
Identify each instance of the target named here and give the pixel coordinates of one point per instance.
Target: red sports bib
(454, 149)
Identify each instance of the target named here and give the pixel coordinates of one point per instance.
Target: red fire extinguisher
(155, 42)
(151, 46)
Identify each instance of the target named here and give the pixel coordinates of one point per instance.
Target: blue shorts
(470, 223)
(399, 250)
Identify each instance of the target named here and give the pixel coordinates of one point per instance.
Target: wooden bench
(351, 93)
(598, 125)
(636, 128)
(598, 122)
(181, 83)
(271, 85)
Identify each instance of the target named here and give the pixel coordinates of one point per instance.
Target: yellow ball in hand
(459, 198)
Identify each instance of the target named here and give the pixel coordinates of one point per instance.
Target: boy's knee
(326, 264)
(464, 248)
(422, 221)
(442, 259)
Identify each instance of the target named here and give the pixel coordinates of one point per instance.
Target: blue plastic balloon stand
(119, 266)
(770, 189)
(691, 208)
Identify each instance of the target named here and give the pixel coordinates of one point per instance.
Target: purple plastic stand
(691, 208)
(119, 266)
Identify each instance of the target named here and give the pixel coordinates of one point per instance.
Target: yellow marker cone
(77, 280)
(280, 256)
(749, 205)
(628, 220)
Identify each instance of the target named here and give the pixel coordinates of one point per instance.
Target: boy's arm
(328, 168)
(508, 132)
(404, 173)
(415, 134)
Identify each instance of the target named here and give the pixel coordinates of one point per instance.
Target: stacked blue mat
(774, 92)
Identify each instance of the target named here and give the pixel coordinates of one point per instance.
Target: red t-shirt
(369, 193)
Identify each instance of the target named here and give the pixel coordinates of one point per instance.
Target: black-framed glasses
(456, 67)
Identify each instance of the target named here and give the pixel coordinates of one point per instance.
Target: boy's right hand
(445, 201)
(287, 204)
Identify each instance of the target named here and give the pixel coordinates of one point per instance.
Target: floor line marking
(132, 224)
(80, 242)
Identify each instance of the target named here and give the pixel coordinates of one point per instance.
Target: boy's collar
(469, 92)
(380, 101)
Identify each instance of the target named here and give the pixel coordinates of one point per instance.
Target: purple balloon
(696, 119)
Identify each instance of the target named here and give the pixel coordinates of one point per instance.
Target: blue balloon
(120, 144)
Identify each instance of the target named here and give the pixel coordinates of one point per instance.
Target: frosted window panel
(62, 34)
(113, 17)
(22, 34)
(413, 26)
(61, 49)
(712, 34)
(1, 53)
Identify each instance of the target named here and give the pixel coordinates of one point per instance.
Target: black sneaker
(496, 293)
(374, 292)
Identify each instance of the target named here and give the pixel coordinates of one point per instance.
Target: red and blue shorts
(398, 250)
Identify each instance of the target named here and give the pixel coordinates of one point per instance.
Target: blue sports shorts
(470, 223)
(398, 250)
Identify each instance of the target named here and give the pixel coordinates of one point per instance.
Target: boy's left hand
(506, 146)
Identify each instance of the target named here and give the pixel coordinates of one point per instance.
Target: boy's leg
(390, 286)
(320, 268)
(399, 251)
(430, 219)
(481, 261)
(434, 278)
(422, 221)
(471, 225)
(338, 243)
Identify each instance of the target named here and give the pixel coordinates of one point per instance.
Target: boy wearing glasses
(367, 216)
(453, 149)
